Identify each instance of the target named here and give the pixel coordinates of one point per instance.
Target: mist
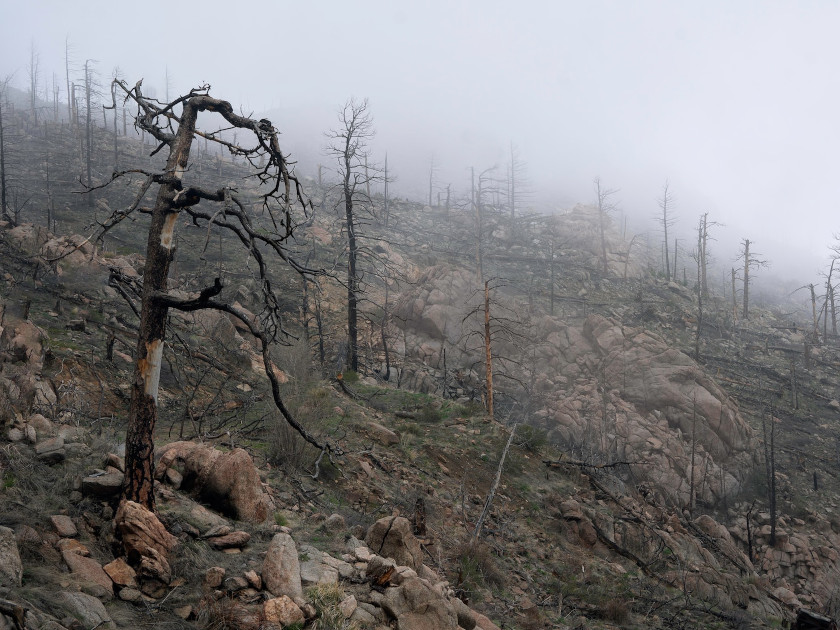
(734, 104)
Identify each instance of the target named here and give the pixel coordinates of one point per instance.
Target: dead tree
(67, 79)
(4, 208)
(518, 182)
(281, 195)
(479, 526)
(34, 77)
(477, 202)
(433, 168)
(488, 349)
(770, 471)
(603, 197)
(666, 220)
(751, 262)
(349, 146)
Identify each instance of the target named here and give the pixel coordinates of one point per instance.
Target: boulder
(51, 451)
(103, 485)
(381, 434)
(121, 573)
(316, 569)
(88, 569)
(281, 568)
(214, 576)
(253, 579)
(348, 606)
(87, 609)
(147, 544)
(233, 540)
(417, 606)
(64, 526)
(334, 523)
(228, 482)
(25, 342)
(466, 617)
(392, 537)
(483, 623)
(282, 611)
(11, 568)
(72, 545)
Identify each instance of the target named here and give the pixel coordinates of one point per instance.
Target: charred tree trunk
(352, 277)
(382, 326)
(734, 299)
(385, 209)
(746, 311)
(88, 132)
(139, 454)
(479, 526)
(4, 208)
(488, 354)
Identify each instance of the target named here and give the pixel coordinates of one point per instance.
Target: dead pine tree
(497, 322)
(666, 220)
(4, 209)
(488, 349)
(699, 260)
(605, 205)
(478, 190)
(479, 526)
(770, 470)
(348, 144)
(751, 262)
(280, 195)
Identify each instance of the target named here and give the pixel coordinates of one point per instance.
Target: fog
(736, 104)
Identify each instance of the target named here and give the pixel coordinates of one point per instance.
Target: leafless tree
(281, 196)
(349, 146)
(518, 183)
(34, 70)
(67, 79)
(770, 470)
(478, 190)
(4, 208)
(751, 262)
(666, 219)
(603, 197)
(90, 92)
(433, 169)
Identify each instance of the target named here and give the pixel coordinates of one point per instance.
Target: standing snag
(349, 146)
(279, 193)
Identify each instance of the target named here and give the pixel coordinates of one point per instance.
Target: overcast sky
(735, 102)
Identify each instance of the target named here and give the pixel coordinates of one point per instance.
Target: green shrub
(429, 414)
(477, 568)
(532, 439)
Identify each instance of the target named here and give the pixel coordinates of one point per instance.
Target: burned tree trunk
(174, 197)
(488, 353)
(139, 448)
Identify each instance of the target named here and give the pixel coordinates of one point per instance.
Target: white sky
(735, 102)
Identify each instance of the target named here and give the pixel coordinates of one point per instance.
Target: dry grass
(326, 598)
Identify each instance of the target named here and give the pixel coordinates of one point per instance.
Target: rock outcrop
(147, 544)
(229, 482)
(617, 393)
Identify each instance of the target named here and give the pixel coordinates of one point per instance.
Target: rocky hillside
(634, 493)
